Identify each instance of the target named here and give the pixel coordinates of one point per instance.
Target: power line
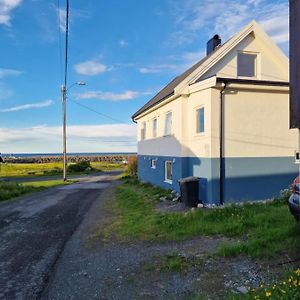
(97, 112)
(67, 43)
(59, 42)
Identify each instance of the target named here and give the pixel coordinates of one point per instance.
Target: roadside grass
(50, 169)
(9, 190)
(261, 229)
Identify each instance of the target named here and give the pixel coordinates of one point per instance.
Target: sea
(25, 155)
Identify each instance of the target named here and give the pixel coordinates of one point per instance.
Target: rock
(200, 205)
(162, 199)
(242, 289)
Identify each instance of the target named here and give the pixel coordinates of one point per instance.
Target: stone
(242, 289)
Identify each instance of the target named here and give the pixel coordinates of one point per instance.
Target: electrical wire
(97, 112)
(67, 43)
(59, 43)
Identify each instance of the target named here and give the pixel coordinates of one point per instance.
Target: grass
(261, 230)
(174, 263)
(49, 169)
(9, 190)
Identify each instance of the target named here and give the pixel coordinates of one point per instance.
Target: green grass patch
(174, 263)
(263, 230)
(51, 169)
(47, 183)
(9, 190)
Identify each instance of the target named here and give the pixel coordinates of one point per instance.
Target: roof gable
(197, 71)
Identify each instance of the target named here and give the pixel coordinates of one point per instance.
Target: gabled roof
(200, 68)
(168, 90)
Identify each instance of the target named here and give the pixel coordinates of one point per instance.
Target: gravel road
(51, 249)
(34, 231)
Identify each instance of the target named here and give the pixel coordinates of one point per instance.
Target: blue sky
(125, 51)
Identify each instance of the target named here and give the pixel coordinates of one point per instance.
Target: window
(153, 163)
(143, 131)
(168, 123)
(200, 120)
(154, 128)
(246, 64)
(168, 171)
(297, 157)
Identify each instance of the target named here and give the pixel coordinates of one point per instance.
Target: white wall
(269, 67)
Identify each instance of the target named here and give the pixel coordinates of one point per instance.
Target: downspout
(222, 167)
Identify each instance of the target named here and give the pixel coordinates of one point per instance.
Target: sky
(124, 50)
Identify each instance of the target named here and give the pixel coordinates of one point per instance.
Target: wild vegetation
(261, 229)
(288, 288)
(54, 168)
(9, 190)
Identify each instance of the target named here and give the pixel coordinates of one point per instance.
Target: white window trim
(154, 137)
(196, 132)
(144, 130)
(171, 131)
(297, 157)
(166, 179)
(257, 65)
(153, 167)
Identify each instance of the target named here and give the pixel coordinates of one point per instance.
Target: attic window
(246, 65)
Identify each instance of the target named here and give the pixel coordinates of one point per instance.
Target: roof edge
(252, 81)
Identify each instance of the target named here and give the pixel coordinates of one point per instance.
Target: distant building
(226, 120)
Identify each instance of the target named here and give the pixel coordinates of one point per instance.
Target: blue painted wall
(248, 178)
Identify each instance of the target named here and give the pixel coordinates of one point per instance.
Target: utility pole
(63, 98)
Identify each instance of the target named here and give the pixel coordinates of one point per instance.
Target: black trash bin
(189, 189)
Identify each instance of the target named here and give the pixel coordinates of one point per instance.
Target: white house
(225, 120)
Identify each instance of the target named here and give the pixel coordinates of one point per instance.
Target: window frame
(297, 157)
(171, 120)
(198, 109)
(153, 166)
(255, 64)
(167, 180)
(143, 131)
(154, 133)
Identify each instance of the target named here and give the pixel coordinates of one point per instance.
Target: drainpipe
(222, 166)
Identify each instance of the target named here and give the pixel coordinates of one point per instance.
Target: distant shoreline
(81, 154)
(72, 157)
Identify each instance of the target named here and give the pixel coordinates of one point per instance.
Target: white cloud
(81, 138)
(156, 68)
(61, 14)
(42, 104)
(123, 43)
(6, 8)
(109, 96)
(90, 68)
(9, 72)
(226, 17)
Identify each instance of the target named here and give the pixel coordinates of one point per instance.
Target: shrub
(132, 166)
(80, 166)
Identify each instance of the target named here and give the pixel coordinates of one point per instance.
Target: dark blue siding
(248, 178)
